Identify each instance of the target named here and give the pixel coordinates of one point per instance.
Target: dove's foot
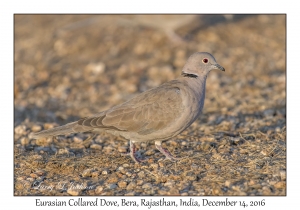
(131, 153)
(165, 151)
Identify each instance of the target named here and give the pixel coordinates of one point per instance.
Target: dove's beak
(217, 66)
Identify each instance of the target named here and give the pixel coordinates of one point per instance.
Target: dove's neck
(196, 84)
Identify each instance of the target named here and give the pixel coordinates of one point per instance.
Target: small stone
(30, 179)
(122, 149)
(40, 172)
(130, 194)
(87, 173)
(98, 189)
(139, 182)
(264, 152)
(128, 173)
(143, 145)
(33, 175)
(147, 186)
(227, 183)
(36, 128)
(96, 146)
(282, 175)
(27, 171)
(169, 184)
(184, 143)
(154, 165)
(95, 68)
(141, 174)
(21, 178)
(24, 141)
(74, 192)
(49, 125)
(121, 168)
(131, 186)
(20, 185)
(77, 140)
(104, 172)
(125, 165)
(251, 182)
(95, 174)
(112, 186)
(280, 184)
(122, 184)
(20, 129)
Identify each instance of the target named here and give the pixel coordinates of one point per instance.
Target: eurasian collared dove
(157, 114)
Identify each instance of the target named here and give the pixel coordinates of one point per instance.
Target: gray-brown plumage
(154, 115)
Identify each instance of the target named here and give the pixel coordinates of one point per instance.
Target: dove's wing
(150, 111)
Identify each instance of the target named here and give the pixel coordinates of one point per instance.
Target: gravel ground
(71, 66)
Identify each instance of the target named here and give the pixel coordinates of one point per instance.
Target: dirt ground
(72, 66)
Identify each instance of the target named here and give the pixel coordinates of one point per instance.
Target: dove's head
(200, 63)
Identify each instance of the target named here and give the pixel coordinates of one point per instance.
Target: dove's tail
(61, 130)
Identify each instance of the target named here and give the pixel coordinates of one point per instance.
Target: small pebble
(141, 174)
(125, 165)
(95, 174)
(147, 186)
(122, 184)
(74, 192)
(24, 141)
(227, 183)
(131, 186)
(111, 186)
(49, 125)
(96, 146)
(130, 194)
(282, 175)
(33, 175)
(87, 173)
(139, 182)
(98, 189)
(280, 184)
(20, 129)
(128, 173)
(104, 172)
(122, 149)
(36, 128)
(77, 140)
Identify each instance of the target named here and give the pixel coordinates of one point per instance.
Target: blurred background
(72, 66)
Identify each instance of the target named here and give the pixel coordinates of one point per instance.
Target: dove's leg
(132, 151)
(165, 151)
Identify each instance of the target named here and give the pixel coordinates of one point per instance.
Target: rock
(74, 192)
(36, 128)
(147, 186)
(112, 186)
(104, 172)
(20, 130)
(24, 141)
(87, 173)
(139, 182)
(98, 189)
(77, 140)
(96, 146)
(122, 184)
(131, 186)
(282, 175)
(141, 174)
(122, 149)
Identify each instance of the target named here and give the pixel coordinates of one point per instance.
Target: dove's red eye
(205, 60)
